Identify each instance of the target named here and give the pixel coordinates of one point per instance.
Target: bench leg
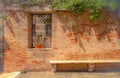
(90, 67)
(54, 67)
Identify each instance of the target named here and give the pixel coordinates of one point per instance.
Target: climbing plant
(78, 6)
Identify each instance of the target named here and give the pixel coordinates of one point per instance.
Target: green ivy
(94, 6)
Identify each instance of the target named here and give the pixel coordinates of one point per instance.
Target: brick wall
(87, 40)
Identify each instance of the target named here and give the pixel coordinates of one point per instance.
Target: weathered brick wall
(86, 40)
(88, 37)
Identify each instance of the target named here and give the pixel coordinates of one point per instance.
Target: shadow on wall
(9, 25)
(6, 45)
(80, 25)
(14, 25)
(14, 18)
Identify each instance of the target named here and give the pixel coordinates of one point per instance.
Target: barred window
(41, 30)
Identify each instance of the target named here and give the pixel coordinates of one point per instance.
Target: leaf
(92, 17)
(4, 17)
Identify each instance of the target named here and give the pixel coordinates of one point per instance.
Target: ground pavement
(9, 75)
(37, 74)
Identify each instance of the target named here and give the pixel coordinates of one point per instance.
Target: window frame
(30, 15)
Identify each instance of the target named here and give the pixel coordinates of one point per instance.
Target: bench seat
(89, 62)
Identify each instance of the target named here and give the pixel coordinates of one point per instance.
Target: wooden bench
(89, 62)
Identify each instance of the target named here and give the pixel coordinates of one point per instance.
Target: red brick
(73, 40)
(69, 35)
(62, 53)
(36, 62)
(22, 61)
(55, 48)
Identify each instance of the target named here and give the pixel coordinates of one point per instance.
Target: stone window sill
(39, 49)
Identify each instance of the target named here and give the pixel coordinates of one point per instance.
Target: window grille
(41, 30)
